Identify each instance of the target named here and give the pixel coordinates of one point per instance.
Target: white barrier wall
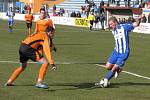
(56, 20)
(143, 28)
(81, 22)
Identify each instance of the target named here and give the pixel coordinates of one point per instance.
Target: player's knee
(46, 62)
(109, 66)
(23, 66)
(43, 61)
(115, 68)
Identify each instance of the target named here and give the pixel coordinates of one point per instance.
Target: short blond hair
(114, 19)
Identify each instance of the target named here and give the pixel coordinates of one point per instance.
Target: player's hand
(53, 67)
(35, 32)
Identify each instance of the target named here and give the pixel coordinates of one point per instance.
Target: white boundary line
(67, 63)
(130, 73)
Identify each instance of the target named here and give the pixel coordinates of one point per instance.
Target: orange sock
(42, 72)
(15, 74)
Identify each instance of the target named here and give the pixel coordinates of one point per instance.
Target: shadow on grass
(72, 86)
(91, 86)
(86, 86)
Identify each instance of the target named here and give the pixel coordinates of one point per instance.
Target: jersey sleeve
(7, 13)
(32, 17)
(46, 49)
(36, 27)
(25, 17)
(52, 24)
(128, 27)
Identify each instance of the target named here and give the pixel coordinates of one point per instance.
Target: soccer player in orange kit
(29, 18)
(30, 49)
(43, 23)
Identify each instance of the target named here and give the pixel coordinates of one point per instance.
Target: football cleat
(103, 83)
(6, 84)
(40, 85)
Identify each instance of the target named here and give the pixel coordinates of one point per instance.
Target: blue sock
(109, 75)
(10, 30)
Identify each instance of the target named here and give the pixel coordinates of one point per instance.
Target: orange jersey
(28, 17)
(41, 25)
(38, 41)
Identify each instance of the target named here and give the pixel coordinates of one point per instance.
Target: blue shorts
(118, 59)
(10, 22)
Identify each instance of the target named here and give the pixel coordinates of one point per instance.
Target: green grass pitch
(78, 52)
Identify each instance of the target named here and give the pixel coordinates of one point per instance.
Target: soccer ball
(103, 83)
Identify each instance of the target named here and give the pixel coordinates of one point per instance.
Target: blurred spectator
(23, 11)
(27, 7)
(148, 18)
(136, 5)
(95, 8)
(78, 15)
(108, 4)
(142, 5)
(83, 8)
(118, 2)
(61, 12)
(102, 3)
(87, 10)
(122, 21)
(143, 18)
(54, 9)
(101, 8)
(83, 14)
(17, 10)
(125, 3)
(119, 20)
(92, 9)
(73, 14)
(102, 19)
(129, 3)
(148, 4)
(131, 20)
(66, 14)
(86, 1)
(97, 20)
(113, 1)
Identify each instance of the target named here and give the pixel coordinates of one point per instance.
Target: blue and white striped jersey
(10, 15)
(122, 38)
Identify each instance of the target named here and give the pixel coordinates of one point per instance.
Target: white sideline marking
(67, 63)
(30, 62)
(130, 73)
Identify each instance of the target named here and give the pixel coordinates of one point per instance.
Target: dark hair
(42, 10)
(49, 29)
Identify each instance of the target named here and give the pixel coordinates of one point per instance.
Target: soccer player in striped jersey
(31, 48)
(10, 13)
(121, 51)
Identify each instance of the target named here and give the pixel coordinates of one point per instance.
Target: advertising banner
(143, 28)
(83, 22)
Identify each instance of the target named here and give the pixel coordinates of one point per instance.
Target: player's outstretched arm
(137, 22)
